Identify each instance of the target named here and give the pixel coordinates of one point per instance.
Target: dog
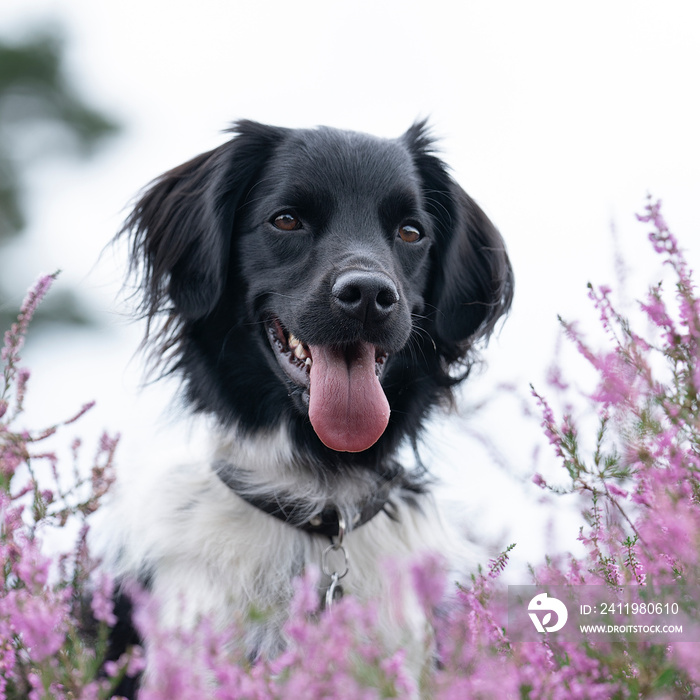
(319, 292)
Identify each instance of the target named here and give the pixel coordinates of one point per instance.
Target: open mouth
(348, 409)
(293, 355)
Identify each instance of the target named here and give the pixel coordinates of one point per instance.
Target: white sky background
(556, 117)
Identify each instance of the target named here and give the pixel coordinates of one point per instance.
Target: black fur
(213, 269)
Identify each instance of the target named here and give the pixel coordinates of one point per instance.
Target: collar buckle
(294, 512)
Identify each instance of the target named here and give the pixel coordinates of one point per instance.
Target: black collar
(295, 512)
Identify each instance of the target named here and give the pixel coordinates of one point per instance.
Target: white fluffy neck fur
(206, 551)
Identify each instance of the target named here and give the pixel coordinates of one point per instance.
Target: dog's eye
(409, 234)
(287, 221)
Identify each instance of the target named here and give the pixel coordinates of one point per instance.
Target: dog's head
(325, 278)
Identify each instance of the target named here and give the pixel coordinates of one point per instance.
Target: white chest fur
(207, 552)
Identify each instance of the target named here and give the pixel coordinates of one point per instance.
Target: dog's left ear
(472, 280)
(181, 227)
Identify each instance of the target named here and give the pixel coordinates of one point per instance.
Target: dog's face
(324, 278)
(334, 254)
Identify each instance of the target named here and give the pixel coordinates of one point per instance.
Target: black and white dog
(319, 292)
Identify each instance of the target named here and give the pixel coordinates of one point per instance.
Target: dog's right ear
(471, 285)
(180, 229)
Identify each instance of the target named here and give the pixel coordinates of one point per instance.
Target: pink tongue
(347, 405)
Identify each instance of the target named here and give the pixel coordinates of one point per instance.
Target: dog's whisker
(438, 204)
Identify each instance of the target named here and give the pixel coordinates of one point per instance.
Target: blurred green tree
(41, 115)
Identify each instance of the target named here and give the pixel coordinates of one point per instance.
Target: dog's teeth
(297, 347)
(299, 351)
(308, 362)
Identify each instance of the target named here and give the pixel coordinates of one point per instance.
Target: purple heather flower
(539, 481)
(102, 602)
(615, 490)
(428, 577)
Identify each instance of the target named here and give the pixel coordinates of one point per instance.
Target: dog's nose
(364, 295)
